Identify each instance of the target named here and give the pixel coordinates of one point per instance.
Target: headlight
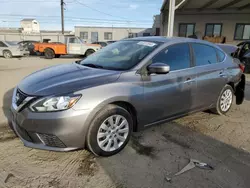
(51, 104)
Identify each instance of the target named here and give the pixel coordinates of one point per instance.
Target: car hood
(65, 78)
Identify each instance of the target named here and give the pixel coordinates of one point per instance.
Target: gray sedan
(129, 85)
(9, 49)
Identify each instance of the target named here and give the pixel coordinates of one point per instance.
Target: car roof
(169, 39)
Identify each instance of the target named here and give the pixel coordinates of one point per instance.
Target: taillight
(242, 67)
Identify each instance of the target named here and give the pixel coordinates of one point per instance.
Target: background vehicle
(9, 49)
(73, 46)
(103, 44)
(111, 41)
(124, 87)
(29, 45)
(241, 52)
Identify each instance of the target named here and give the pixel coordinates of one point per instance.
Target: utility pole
(62, 16)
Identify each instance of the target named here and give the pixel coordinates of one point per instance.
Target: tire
(101, 138)
(247, 65)
(7, 54)
(57, 55)
(49, 53)
(227, 95)
(89, 52)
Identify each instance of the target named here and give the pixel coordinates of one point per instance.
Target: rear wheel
(225, 101)
(49, 53)
(110, 131)
(89, 52)
(7, 54)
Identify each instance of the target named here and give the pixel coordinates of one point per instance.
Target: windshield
(11, 43)
(121, 55)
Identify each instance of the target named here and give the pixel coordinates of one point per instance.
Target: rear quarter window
(221, 55)
(204, 54)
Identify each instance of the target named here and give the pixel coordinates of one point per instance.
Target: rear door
(171, 94)
(211, 73)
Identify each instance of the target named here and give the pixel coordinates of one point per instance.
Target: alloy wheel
(226, 100)
(7, 54)
(112, 133)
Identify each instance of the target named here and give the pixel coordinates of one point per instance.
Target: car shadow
(6, 132)
(247, 91)
(160, 152)
(7, 98)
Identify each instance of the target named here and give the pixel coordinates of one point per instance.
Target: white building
(93, 34)
(229, 19)
(156, 25)
(30, 26)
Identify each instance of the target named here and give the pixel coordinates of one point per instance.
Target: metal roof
(218, 5)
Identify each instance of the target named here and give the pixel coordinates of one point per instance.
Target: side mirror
(158, 68)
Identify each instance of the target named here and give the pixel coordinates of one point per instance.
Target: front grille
(20, 97)
(51, 140)
(23, 133)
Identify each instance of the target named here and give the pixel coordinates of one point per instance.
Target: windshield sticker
(149, 44)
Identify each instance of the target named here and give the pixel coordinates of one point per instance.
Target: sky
(116, 13)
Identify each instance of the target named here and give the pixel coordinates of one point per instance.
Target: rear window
(11, 43)
(204, 54)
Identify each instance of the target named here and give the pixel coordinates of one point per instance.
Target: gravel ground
(153, 154)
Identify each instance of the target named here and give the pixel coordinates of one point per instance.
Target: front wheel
(225, 101)
(110, 131)
(89, 52)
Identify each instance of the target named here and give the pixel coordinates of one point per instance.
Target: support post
(171, 18)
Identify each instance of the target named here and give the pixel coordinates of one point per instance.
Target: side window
(74, 40)
(2, 44)
(71, 40)
(204, 54)
(176, 56)
(221, 55)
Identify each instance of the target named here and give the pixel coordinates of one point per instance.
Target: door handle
(189, 80)
(222, 74)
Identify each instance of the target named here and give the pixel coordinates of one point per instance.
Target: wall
(118, 33)
(228, 20)
(35, 27)
(55, 37)
(31, 26)
(156, 24)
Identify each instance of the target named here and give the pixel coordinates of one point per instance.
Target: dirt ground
(153, 154)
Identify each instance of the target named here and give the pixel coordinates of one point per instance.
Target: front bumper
(56, 131)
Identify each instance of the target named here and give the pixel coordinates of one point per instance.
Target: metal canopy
(217, 6)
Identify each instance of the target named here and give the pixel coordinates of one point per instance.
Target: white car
(9, 49)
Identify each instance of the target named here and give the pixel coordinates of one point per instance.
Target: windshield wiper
(93, 65)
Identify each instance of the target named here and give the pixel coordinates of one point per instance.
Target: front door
(2, 47)
(211, 74)
(174, 93)
(74, 46)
